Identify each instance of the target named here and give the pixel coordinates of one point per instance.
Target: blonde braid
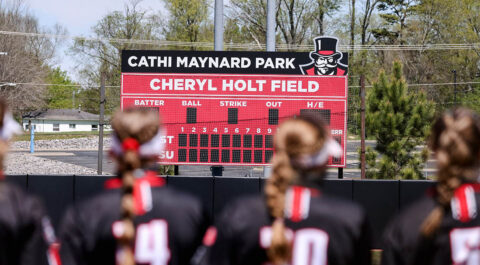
(141, 125)
(455, 140)
(296, 137)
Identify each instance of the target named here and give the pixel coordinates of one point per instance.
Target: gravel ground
(87, 143)
(25, 163)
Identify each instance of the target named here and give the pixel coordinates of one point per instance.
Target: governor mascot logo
(325, 58)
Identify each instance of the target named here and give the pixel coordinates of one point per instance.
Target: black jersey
(168, 232)
(323, 230)
(26, 236)
(456, 241)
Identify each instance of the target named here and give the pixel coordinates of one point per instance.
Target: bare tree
(103, 56)
(368, 9)
(27, 60)
(324, 8)
(295, 19)
(251, 17)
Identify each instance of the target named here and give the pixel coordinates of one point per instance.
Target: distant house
(61, 120)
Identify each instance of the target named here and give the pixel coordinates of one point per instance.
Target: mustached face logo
(325, 58)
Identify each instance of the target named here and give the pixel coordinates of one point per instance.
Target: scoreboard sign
(223, 108)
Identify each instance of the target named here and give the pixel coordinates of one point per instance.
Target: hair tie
(330, 148)
(154, 147)
(130, 144)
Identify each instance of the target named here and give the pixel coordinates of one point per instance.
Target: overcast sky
(78, 17)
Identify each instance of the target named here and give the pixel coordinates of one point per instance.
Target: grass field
(57, 136)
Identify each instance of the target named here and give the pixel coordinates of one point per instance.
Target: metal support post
(362, 128)
(218, 28)
(218, 45)
(32, 137)
(271, 25)
(100, 123)
(454, 86)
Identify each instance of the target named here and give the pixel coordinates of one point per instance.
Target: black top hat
(326, 47)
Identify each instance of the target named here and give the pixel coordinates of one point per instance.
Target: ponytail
(455, 139)
(445, 191)
(275, 189)
(131, 161)
(132, 127)
(128, 213)
(296, 137)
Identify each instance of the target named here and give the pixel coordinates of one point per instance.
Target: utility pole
(218, 28)
(362, 127)
(454, 86)
(73, 99)
(271, 24)
(100, 123)
(218, 46)
(352, 27)
(270, 38)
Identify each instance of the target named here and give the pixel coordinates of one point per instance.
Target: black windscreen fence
(382, 199)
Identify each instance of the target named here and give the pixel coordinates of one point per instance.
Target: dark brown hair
(141, 125)
(304, 135)
(455, 139)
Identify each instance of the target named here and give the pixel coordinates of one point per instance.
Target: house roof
(61, 114)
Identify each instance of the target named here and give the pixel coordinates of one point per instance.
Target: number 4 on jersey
(151, 244)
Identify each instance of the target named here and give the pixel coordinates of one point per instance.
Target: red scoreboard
(223, 108)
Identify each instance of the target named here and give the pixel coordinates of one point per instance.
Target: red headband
(130, 144)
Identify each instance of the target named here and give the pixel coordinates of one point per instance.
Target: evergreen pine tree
(399, 120)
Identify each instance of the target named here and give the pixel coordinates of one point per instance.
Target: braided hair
(132, 127)
(304, 135)
(455, 139)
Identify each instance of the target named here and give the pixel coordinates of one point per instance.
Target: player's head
(455, 140)
(136, 138)
(137, 142)
(302, 148)
(8, 128)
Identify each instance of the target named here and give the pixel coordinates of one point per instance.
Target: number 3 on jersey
(465, 243)
(151, 243)
(310, 245)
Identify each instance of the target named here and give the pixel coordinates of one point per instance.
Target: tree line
(437, 24)
(361, 22)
